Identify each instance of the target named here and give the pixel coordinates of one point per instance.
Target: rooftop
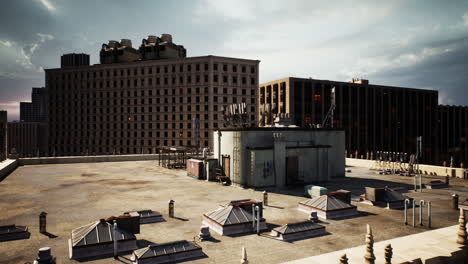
(74, 195)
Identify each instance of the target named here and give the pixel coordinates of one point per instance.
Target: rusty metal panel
(195, 169)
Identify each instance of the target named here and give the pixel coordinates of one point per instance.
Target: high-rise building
(375, 117)
(3, 135)
(37, 110)
(452, 134)
(131, 105)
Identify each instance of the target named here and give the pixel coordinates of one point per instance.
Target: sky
(408, 43)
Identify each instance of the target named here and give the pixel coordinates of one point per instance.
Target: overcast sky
(419, 44)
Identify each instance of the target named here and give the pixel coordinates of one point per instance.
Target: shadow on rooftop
(122, 258)
(49, 235)
(180, 218)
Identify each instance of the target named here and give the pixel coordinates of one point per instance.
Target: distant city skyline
(420, 44)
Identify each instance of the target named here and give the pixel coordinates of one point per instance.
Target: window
(224, 67)
(215, 66)
(234, 68)
(225, 79)
(252, 69)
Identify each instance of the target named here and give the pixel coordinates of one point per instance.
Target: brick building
(375, 117)
(133, 105)
(28, 139)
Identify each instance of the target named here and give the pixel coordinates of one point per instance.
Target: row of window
(146, 93)
(138, 71)
(67, 123)
(232, 80)
(58, 107)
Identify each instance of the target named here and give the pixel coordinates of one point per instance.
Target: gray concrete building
(280, 156)
(139, 106)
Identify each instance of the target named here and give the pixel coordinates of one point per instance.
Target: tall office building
(37, 110)
(375, 117)
(453, 134)
(134, 103)
(3, 135)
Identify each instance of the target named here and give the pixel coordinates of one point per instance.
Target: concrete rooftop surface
(77, 194)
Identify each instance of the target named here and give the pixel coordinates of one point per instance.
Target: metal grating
(97, 232)
(298, 227)
(327, 203)
(230, 215)
(152, 251)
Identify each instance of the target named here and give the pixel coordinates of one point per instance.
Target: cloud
(465, 19)
(48, 5)
(6, 43)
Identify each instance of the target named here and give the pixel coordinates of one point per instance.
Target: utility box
(210, 169)
(129, 222)
(375, 194)
(314, 191)
(43, 222)
(195, 169)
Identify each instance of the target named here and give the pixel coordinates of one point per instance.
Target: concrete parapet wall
(6, 167)
(86, 159)
(423, 169)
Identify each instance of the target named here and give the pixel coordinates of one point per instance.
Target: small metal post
(43, 222)
(258, 219)
(115, 240)
(265, 198)
(454, 204)
(429, 212)
(407, 202)
(244, 259)
(415, 186)
(171, 208)
(421, 205)
(414, 214)
(420, 183)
